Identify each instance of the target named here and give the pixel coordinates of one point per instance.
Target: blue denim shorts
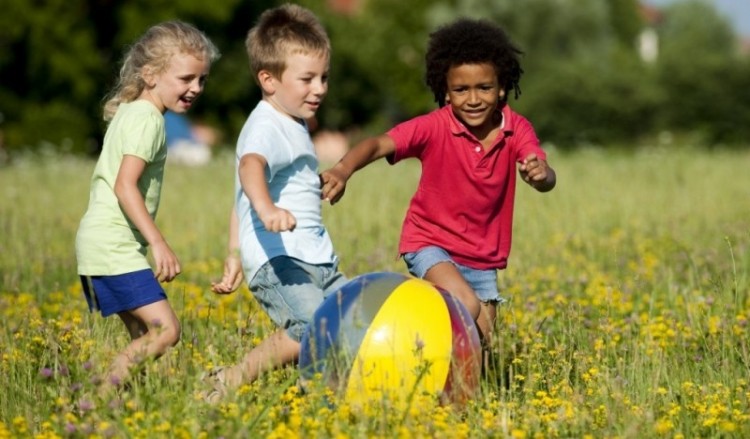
(290, 291)
(122, 292)
(484, 282)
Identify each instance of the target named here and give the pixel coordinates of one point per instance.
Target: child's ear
(148, 75)
(266, 81)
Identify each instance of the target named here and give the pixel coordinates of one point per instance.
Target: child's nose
(196, 86)
(320, 87)
(473, 97)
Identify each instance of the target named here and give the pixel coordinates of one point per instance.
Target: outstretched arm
(233, 275)
(132, 203)
(333, 181)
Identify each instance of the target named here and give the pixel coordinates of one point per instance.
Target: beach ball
(386, 335)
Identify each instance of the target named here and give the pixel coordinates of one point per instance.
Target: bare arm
(333, 181)
(132, 203)
(253, 179)
(232, 277)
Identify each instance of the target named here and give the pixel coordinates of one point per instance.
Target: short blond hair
(283, 31)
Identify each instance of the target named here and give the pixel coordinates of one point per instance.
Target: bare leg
(275, 351)
(486, 323)
(135, 327)
(447, 276)
(153, 329)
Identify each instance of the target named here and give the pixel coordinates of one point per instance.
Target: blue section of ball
(338, 326)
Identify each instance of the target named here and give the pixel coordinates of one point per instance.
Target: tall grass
(628, 311)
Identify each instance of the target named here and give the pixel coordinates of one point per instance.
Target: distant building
(648, 39)
(344, 7)
(744, 46)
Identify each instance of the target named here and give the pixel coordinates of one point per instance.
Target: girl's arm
(132, 203)
(333, 181)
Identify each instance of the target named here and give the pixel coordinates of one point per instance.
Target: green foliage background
(584, 81)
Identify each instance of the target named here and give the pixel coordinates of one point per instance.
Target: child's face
(301, 88)
(473, 93)
(179, 85)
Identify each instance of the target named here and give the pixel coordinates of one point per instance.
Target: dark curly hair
(467, 41)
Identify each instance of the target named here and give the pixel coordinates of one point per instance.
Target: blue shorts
(122, 292)
(483, 282)
(290, 291)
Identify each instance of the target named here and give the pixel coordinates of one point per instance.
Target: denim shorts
(484, 282)
(290, 291)
(122, 292)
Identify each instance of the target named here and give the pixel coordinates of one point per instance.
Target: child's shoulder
(515, 120)
(138, 112)
(438, 116)
(263, 115)
(265, 124)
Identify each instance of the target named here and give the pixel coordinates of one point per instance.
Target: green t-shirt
(107, 242)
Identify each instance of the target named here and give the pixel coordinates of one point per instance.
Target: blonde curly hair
(155, 50)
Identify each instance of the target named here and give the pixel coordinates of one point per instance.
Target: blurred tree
(701, 75)
(626, 21)
(51, 53)
(63, 56)
(594, 102)
(377, 71)
(583, 80)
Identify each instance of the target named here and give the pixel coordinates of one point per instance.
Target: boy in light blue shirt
(276, 232)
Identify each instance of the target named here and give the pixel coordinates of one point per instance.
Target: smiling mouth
(475, 112)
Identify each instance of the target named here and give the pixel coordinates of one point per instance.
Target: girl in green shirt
(165, 69)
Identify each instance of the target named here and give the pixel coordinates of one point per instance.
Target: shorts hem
(132, 306)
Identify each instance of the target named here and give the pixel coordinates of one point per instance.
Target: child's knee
(175, 335)
(469, 300)
(169, 336)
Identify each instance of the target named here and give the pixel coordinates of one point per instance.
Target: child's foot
(216, 381)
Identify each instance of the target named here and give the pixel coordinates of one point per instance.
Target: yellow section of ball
(407, 347)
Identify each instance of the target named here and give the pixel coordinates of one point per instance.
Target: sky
(736, 11)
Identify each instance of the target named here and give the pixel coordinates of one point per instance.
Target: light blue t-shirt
(294, 185)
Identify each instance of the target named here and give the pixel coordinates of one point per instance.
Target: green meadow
(628, 312)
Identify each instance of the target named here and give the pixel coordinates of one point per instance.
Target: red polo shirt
(464, 201)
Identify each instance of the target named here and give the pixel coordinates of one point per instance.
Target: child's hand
(537, 173)
(332, 185)
(167, 264)
(275, 219)
(232, 277)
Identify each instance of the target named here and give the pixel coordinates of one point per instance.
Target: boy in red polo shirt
(457, 230)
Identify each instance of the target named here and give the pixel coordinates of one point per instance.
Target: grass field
(628, 316)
